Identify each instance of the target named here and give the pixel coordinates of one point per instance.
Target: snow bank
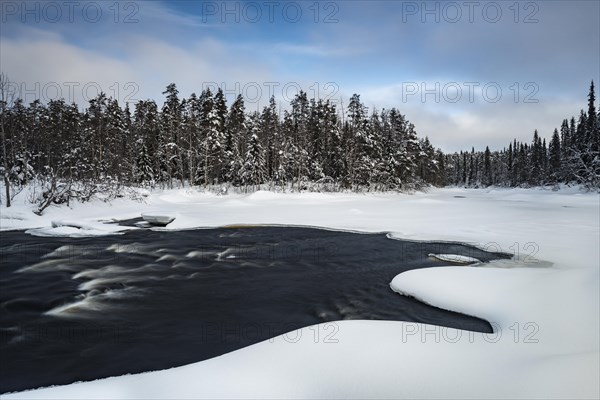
(544, 304)
(69, 228)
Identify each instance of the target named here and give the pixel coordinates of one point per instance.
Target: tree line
(200, 140)
(571, 156)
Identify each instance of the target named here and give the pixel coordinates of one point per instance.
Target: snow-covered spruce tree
(269, 136)
(6, 101)
(212, 138)
(146, 133)
(287, 152)
(361, 162)
(298, 150)
(235, 131)
(565, 145)
(95, 123)
(316, 140)
(554, 158)
(171, 122)
(19, 157)
(409, 163)
(219, 161)
(73, 165)
(592, 148)
(116, 134)
(535, 174)
(379, 177)
(144, 171)
(333, 163)
(190, 133)
(487, 167)
(428, 168)
(390, 145)
(253, 172)
(578, 156)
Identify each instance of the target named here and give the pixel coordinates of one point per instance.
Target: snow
(69, 228)
(158, 218)
(544, 304)
(455, 258)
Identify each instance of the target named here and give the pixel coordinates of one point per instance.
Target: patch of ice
(455, 258)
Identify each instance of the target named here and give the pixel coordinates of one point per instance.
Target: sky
(466, 73)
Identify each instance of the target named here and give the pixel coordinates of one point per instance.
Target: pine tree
(334, 166)
(428, 169)
(472, 171)
(144, 171)
(269, 132)
(190, 140)
(400, 163)
(487, 167)
(554, 158)
(536, 160)
(146, 134)
(592, 122)
(286, 168)
(96, 126)
(253, 171)
(592, 149)
(171, 134)
(212, 140)
(565, 146)
(525, 166)
(116, 134)
(442, 178)
(298, 149)
(464, 169)
(235, 130)
(544, 163)
(220, 110)
(510, 165)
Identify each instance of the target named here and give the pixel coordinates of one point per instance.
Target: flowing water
(88, 308)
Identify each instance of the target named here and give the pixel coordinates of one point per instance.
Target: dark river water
(88, 308)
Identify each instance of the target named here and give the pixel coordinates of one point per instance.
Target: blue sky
(415, 56)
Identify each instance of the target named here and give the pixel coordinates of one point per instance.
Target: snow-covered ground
(544, 304)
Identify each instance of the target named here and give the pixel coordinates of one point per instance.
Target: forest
(313, 145)
(570, 156)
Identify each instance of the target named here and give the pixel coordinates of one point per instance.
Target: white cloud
(39, 64)
(44, 61)
(459, 126)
